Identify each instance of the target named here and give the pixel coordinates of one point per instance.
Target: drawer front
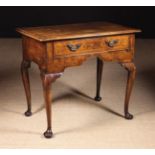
(91, 45)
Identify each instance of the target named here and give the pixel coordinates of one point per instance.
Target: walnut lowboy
(53, 48)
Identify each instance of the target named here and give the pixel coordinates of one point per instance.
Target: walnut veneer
(53, 48)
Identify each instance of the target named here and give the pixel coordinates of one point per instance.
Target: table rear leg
(99, 79)
(25, 65)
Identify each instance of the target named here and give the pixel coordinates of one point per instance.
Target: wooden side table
(53, 48)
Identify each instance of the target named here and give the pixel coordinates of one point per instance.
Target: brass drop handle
(73, 48)
(111, 43)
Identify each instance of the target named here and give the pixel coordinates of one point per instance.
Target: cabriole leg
(25, 65)
(47, 79)
(130, 67)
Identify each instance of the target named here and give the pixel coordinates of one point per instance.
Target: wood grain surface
(72, 31)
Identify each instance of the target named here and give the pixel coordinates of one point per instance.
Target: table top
(72, 31)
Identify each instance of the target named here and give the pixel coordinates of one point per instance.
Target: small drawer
(91, 45)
